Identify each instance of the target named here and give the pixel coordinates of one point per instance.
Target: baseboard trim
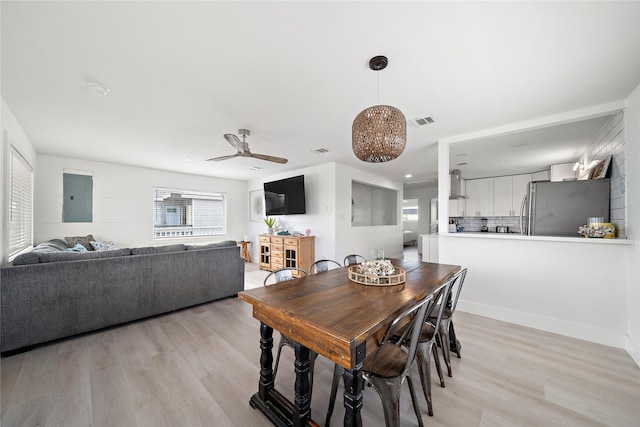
(633, 349)
(556, 326)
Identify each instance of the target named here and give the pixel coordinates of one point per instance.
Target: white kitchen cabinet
(480, 197)
(503, 195)
(508, 194)
(457, 207)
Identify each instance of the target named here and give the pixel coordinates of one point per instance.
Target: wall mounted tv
(285, 197)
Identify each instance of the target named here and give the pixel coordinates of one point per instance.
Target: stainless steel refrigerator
(560, 208)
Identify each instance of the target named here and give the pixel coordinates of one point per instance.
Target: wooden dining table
(337, 318)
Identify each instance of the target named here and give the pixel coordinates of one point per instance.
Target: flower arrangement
(603, 230)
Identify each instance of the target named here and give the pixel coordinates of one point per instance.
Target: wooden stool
(245, 250)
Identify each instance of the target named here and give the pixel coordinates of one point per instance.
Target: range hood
(456, 185)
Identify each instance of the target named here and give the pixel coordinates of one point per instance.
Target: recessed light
(98, 88)
(255, 168)
(320, 150)
(408, 175)
(187, 160)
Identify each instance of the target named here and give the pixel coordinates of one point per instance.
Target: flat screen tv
(285, 196)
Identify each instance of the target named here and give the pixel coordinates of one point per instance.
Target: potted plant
(271, 222)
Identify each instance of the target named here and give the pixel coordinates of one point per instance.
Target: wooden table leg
(353, 391)
(302, 400)
(266, 361)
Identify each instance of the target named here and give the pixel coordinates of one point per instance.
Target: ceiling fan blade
(234, 141)
(217, 159)
(269, 158)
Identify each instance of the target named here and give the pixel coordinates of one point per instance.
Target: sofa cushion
(83, 240)
(77, 248)
(81, 256)
(148, 250)
(223, 244)
(106, 245)
(27, 258)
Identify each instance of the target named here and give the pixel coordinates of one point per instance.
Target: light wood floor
(199, 366)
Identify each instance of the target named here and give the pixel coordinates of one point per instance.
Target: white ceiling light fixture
(98, 88)
(379, 133)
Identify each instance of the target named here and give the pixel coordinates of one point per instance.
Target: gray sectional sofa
(55, 294)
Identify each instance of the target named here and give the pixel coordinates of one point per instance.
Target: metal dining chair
(282, 275)
(353, 259)
(427, 340)
(447, 332)
(390, 365)
(323, 265)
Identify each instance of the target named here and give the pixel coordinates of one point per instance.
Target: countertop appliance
(560, 208)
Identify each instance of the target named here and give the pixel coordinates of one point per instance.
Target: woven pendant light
(379, 133)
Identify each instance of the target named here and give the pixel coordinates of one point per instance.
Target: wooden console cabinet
(286, 251)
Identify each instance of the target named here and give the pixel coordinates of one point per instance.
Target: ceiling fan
(243, 149)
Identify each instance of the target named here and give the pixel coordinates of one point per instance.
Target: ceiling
(181, 74)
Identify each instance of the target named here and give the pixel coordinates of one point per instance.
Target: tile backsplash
(475, 224)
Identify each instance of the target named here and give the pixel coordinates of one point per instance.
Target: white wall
(632, 138)
(12, 133)
(328, 194)
(573, 287)
(593, 288)
(361, 240)
(123, 202)
(319, 182)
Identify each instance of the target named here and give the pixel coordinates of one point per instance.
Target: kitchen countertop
(517, 236)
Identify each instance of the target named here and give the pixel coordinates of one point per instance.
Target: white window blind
(178, 213)
(20, 204)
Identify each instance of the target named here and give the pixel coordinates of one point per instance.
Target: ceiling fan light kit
(379, 133)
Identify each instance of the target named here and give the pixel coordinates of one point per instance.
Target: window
(410, 210)
(178, 213)
(20, 209)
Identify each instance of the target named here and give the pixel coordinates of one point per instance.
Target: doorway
(410, 228)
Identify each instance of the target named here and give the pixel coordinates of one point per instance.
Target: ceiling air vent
(421, 121)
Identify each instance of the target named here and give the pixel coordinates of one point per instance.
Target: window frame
(185, 231)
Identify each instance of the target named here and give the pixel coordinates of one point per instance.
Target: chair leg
(275, 367)
(414, 400)
(389, 391)
(455, 344)
(436, 359)
(337, 373)
(424, 368)
(444, 337)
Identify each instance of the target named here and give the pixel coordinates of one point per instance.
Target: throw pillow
(83, 240)
(77, 248)
(106, 245)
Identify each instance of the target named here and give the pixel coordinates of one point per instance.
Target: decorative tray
(365, 276)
